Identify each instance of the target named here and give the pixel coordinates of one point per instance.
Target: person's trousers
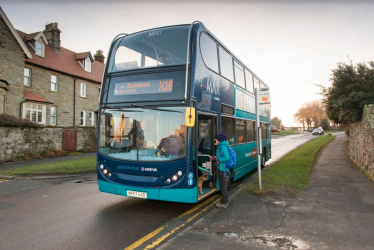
(221, 179)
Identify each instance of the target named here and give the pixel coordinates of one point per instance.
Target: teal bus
(165, 93)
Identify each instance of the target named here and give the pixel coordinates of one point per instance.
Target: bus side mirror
(190, 117)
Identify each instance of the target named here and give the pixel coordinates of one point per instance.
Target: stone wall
(361, 141)
(20, 141)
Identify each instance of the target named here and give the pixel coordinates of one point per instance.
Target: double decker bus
(166, 93)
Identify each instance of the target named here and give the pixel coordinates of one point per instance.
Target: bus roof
(211, 34)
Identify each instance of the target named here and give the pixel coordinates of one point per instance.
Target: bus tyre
(263, 158)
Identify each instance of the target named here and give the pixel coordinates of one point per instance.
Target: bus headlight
(105, 171)
(175, 176)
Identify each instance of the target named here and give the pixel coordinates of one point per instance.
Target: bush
(48, 154)
(60, 153)
(12, 121)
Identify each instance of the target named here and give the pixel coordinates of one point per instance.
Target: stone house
(44, 82)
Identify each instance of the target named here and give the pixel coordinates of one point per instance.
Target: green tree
(352, 88)
(276, 122)
(325, 124)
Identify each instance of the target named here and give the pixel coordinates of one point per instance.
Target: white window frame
(53, 116)
(91, 117)
(83, 89)
(28, 77)
(82, 118)
(37, 42)
(54, 83)
(87, 64)
(30, 108)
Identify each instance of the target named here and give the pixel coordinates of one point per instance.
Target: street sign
(264, 96)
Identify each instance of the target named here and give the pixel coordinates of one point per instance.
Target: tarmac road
(71, 213)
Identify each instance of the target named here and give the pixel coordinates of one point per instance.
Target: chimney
(99, 56)
(52, 33)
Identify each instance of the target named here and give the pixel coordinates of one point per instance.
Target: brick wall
(12, 63)
(361, 141)
(21, 141)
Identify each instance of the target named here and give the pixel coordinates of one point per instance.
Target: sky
(290, 45)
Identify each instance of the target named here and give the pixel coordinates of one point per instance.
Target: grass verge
(286, 132)
(59, 168)
(290, 175)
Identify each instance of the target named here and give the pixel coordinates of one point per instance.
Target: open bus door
(206, 172)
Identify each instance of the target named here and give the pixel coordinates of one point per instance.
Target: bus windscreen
(152, 48)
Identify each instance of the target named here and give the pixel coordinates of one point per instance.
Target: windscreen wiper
(121, 109)
(154, 108)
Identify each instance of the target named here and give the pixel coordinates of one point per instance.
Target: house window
(83, 118)
(26, 76)
(53, 116)
(83, 89)
(39, 48)
(34, 112)
(91, 117)
(54, 80)
(87, 64)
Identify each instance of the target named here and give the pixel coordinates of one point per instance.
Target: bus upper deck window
(209, 52)
(225, 60)
(151, 48)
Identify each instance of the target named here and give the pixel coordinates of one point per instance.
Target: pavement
(335, 211)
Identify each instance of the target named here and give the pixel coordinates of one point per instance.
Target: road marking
(193, 217)
(161, 239)
(208, 203)
(3, 180)
(198, 206)
(144, 239)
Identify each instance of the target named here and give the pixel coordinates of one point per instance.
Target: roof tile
(66, 62)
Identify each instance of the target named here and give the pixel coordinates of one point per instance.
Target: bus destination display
(144, 87)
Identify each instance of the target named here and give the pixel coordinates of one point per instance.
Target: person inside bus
(172, 146)
(222, 156)
(136, 134)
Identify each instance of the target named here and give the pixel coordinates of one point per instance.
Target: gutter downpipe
(74, 102)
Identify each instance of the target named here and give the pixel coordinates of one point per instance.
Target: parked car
(318, 131)
(274, 129)
(311, 130)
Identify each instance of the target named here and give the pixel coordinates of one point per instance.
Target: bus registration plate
(137, 194)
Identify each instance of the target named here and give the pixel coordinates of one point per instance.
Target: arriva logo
(155, 33)
(248, 154)
(149, 169)
(212, 86)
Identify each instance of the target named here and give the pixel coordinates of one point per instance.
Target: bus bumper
(162, 194)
